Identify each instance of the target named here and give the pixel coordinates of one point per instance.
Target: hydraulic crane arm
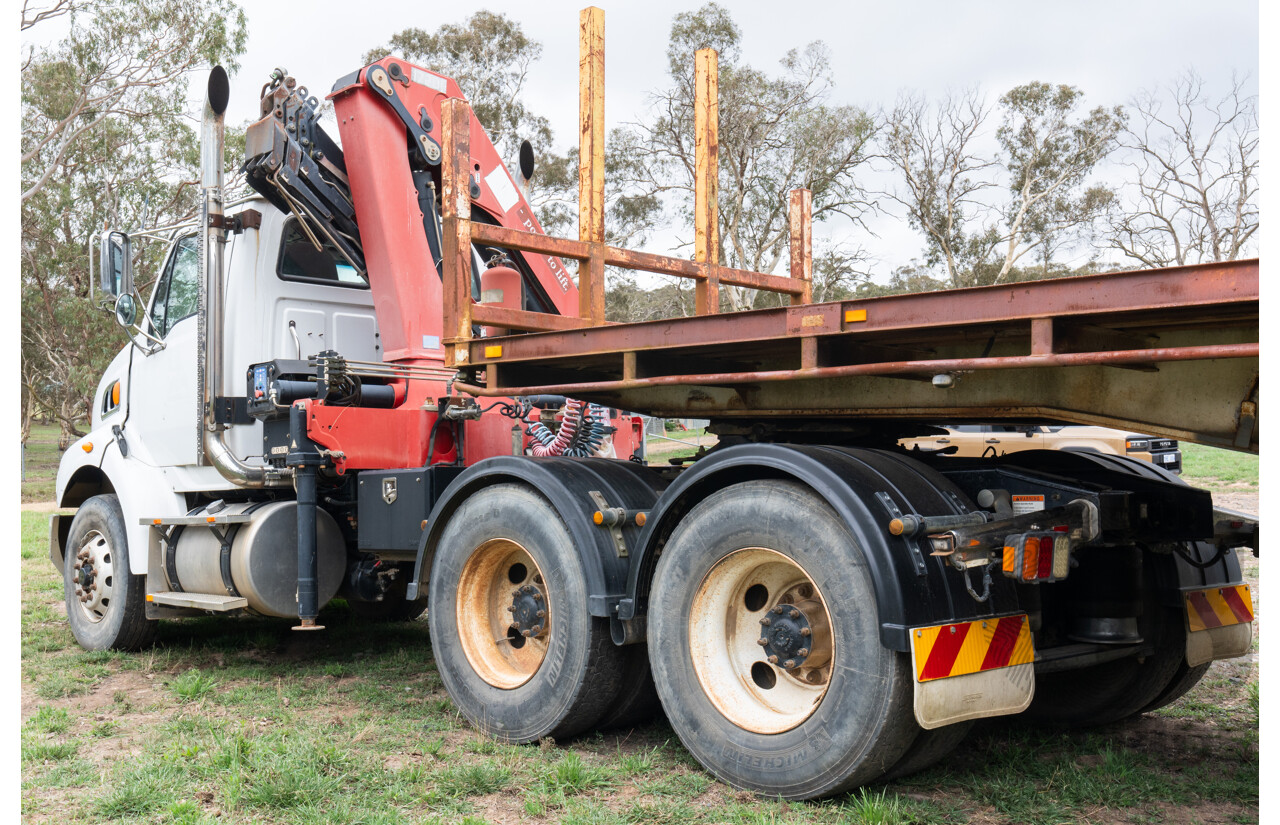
(377, 198)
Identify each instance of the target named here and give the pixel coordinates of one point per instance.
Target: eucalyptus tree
(1193, 160)
(105, 138)
(777, 132)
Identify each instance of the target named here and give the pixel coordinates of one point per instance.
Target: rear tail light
(1037, 557)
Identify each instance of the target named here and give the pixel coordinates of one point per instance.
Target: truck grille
(1163, 444)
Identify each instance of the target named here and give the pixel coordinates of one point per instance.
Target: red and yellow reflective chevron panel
(970, 647)
(1219, 607)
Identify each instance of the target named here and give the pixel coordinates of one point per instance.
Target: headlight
(1137, 444)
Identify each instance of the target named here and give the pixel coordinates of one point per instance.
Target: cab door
(164, 412)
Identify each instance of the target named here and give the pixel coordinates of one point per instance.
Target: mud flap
(1219, 623)
(972, 670)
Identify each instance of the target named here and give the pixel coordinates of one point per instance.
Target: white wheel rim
(92, 576)
(725, 624)
(491, 640)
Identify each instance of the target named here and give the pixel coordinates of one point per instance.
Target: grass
(40, 463)
(244, 721)
(1215, 468)
(676, 444)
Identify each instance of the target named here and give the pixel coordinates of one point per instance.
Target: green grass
(40, 463)
(241, 720)
(1216, 468)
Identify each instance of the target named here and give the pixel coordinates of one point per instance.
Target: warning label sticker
(1027, 504)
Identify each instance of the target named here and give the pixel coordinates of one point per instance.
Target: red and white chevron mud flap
(1219, 623)
(971, 670)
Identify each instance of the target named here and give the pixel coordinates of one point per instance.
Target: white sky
(1110, 50)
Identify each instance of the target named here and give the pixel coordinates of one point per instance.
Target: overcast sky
(1110, 50)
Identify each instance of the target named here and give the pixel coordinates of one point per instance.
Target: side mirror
(116, 257)
(126, 310)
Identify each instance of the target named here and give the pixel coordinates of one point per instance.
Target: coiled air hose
(583, 428)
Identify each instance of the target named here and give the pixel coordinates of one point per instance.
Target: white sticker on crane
(428, 79)
(503, 188)
(1027, 504)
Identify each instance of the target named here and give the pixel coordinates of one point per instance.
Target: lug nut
(778, 610)
(802, 652)
(795, 614)
(773, 660)
(762, 641)
(789, 664)
(542, 614)
(515, 593)
(537, 597)
(804, 631)
(537, 628)
(510, 609)
(525, 633)
(766, 621)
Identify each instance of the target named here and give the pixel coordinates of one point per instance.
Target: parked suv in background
(997, 439)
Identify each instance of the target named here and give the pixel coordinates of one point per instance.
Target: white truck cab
(283, 299)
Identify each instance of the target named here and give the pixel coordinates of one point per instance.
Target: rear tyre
(1112, 691)
(930, 747)
(106, 604)
(771, 558)
(637, 704)
(506, 565)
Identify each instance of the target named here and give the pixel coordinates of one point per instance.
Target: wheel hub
(91, 576)
(528, 610)
(786, 636)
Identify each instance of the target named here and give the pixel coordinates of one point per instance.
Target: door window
(178, 289)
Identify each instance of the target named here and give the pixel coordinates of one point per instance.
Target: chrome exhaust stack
(210, 448)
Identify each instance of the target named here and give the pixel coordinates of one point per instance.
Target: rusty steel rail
(1171, 351)
(590, 249)
(922, 367)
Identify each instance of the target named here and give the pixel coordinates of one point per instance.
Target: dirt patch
(1245, 502)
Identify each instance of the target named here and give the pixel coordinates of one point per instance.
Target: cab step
(200, 601)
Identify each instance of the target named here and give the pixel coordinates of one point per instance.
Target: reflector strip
(969, 647)
(1219, 607)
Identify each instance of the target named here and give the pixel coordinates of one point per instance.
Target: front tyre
(106, 604)
(515, 645)
(765, 645)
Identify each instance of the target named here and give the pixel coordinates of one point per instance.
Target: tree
(104, 132)
(947, 185)
(1195, 165)
(776, 133)
(941, 175)
(489, 56)
(1048, 156)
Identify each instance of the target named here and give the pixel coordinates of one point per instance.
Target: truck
(377, 380)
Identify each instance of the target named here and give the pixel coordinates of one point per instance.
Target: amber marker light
(115, 394)
(598, 517)
(87, 446)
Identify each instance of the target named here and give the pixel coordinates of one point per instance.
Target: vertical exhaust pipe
(210, 447)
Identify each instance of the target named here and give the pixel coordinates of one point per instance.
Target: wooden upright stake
(591, 162)
(455, 171)
(800, 214)
(706, 208)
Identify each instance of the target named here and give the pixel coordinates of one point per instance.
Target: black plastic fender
(567, 483)
(866, 488)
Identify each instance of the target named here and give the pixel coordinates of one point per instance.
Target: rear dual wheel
(514, 642)
(759, 702)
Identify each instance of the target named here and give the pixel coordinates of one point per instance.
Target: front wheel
(106, 604)
(765, 644)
